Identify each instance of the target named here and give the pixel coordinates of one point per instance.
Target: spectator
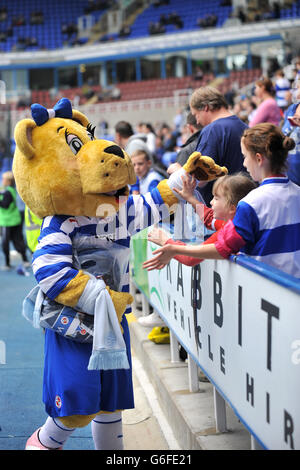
(3, 14)
(11, 221)
(36, 17)
(148, 178)
(251, 110)
(169, 143)
(125, 31)
(156, 28)
(241, 15)
(267, 110)
(282, 86)
(69, 29)
(174, 18)
(198, 73)
(221, 133)
(32, 229)
(115, 93)
(125, 137)
(18, 20)
(159, 147)
(273, 206)
(178, 120)
(276, 10)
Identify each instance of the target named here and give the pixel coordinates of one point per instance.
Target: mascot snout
(104, 167)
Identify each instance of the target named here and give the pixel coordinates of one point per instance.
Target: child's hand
(158, 236)
(163, 256)
(173, 167)
(188, 187)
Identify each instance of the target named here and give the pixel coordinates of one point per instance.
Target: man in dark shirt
(10, 221)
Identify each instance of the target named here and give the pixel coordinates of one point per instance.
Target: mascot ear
(79, 117)
(23, 137)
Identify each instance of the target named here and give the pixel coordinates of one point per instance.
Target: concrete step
(189, 414)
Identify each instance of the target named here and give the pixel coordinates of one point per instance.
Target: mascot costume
(78, 185)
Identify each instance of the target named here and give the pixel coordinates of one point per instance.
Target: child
(266, 225)
(227, 192)
(11, 220)
(148, 178)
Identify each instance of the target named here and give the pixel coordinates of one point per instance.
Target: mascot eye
(91, 131)
(74, 142)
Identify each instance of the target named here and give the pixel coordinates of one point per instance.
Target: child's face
(5, 181)
(220, 206)
(141, 165)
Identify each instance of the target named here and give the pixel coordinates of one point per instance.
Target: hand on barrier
(189, 184)
(203, 168)
(158, 236)
(120, 301)
(162, 258)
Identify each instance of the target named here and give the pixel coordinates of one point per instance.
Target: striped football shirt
(267, 226)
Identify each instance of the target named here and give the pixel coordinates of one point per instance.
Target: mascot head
(60, 168)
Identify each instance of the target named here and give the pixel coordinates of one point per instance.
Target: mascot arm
(203, 168)
(146, 210)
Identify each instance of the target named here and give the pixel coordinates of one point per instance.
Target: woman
(291, 128)
(266, 225)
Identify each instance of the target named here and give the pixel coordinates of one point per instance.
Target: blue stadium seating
(49, 35)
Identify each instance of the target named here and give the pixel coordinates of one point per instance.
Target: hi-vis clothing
(32, 228)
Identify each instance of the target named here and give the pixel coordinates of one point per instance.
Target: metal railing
(252, 311)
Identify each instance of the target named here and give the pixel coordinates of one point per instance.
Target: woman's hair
(208, 96)
(268, 140)
(234, 187)
(9, 176)
(267, 84)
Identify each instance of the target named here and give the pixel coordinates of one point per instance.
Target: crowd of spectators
(264, 12)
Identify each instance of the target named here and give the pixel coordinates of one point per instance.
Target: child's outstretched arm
(161, 238)
(228, 241)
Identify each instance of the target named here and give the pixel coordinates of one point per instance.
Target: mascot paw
(120, 301)
(203, 168)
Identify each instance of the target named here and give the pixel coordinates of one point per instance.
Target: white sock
(54, 434)
(107, 431)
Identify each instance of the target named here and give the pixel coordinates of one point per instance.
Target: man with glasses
(221, 134)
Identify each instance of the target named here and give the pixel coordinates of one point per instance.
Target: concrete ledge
(191, 415)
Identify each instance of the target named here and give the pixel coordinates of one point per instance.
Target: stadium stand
(56, 26)
(151, 89)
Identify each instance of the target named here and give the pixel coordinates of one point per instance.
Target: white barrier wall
(240, 322)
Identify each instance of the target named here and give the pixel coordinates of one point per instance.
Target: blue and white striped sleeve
(52, 260)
